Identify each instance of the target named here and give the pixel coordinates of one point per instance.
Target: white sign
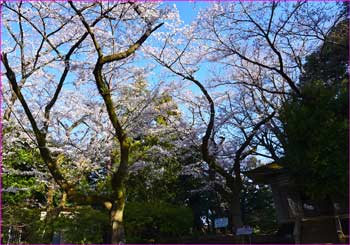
(43, 215)
(221, 222)
(245, 230)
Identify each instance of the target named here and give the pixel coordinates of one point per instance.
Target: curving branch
(41, 134)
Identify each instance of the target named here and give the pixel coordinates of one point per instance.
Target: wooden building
(302, 219)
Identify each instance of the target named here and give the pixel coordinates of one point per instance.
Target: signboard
(245, 230)
(221, 222)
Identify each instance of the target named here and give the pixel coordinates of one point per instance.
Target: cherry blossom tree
(54, 87)
(262, 52)
(176, 54)
(97, 88)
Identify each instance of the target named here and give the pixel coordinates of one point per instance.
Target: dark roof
(267, 173)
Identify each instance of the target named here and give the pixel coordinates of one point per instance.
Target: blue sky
(188, 9)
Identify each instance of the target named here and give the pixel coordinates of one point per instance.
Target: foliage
(156, 221)
(258, 208)
(316, 125)
(90, 141)
(328, 64)
(19, 180)
(21, 224)
(83, 225)
(157, 181)
(23, 193)
(317, 142)
(163, 179)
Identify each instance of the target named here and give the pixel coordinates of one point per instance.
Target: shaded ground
(231, 239)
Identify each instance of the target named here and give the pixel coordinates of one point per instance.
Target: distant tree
(258, 208)
(24, 187)
(316, 126)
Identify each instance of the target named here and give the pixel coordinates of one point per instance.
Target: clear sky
(188, 9)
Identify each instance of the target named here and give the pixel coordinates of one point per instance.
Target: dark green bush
(85, 226)
(156, 222)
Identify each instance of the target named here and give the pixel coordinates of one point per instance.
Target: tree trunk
(116, 219)
(118, 185)
(236, 213)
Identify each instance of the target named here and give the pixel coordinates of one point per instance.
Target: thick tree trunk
(117, 209)
(236, 213)
(116, 221)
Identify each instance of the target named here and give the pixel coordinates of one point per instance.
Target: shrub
(146, 222)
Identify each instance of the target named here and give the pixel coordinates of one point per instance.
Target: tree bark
(119, 176)
(116, 219)
(236, 213)
(117, 209)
